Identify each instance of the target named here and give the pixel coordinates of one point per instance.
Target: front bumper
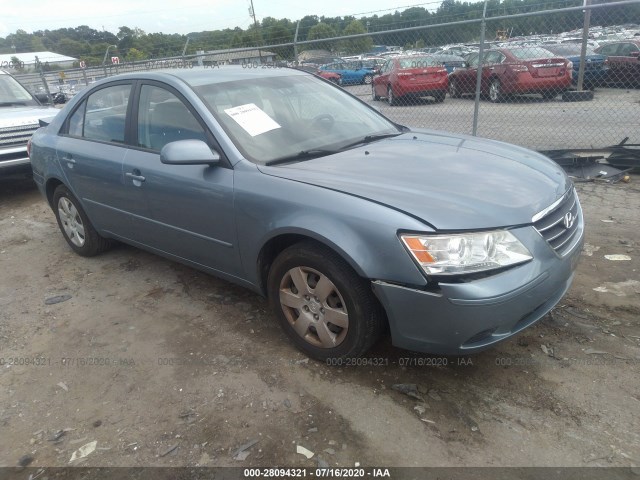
(14, 160)
(467, 317)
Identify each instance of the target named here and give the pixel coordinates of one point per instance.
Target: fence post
(295, 44)
(44, 80)
(476, 107)
(585, 36)
(84, 74)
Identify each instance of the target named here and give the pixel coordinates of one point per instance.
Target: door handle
(134, 176)
(69, 159)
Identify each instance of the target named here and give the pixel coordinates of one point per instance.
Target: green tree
(355, 45)
(135, 55)
(320, 31)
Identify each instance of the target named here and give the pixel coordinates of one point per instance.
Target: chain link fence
(561, 78)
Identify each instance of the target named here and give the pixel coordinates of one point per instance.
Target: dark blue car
(596, 66)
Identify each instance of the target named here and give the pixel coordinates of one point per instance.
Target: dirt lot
(162, 365)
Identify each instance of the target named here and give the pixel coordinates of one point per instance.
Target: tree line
(132, 44)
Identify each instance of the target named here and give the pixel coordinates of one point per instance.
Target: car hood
(448, 181)
(24, 115)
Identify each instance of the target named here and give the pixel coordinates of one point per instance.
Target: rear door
(91, 148)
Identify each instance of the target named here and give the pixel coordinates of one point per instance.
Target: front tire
(454, 91)
(439, 97)
(367, 80)
(75, 225)
(373, 93)
(322, 304)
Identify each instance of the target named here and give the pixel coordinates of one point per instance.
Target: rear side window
(102, 115)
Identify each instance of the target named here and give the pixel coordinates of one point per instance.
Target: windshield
(11, 92)
(279, 117)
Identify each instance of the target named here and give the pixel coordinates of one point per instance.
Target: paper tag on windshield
(254, 120)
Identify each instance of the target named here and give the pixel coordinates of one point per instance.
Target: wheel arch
(50, 188)
(283, 240)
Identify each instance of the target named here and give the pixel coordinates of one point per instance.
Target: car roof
(199, 76)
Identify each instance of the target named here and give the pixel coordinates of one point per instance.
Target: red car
(624, 61)
(513, 71)
(331, 76)
(410, 76)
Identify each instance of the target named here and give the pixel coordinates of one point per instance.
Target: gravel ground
(163, 365)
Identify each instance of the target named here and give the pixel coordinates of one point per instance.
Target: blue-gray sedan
(282, 182)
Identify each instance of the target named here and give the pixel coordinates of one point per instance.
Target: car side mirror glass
(189, 152)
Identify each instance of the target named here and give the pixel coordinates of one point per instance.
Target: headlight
(466, 252)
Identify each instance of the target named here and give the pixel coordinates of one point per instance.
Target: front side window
(105, 112)
(164, 118)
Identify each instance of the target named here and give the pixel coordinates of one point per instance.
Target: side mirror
(635, 54)
(189, 152)
(42, 98)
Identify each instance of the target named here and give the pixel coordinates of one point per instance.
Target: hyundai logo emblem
(568, 220)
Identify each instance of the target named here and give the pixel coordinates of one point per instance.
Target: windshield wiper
(11, 104)
(372, 138)
(303, 155)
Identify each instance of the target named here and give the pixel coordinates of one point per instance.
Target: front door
(190, 206)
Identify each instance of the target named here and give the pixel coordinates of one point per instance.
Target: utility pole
(295, 44)
(184, 50)
(252, 12)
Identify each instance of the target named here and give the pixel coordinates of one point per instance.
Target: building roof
(224, 56)
(29, 58)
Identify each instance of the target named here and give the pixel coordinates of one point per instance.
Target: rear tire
(322, 304)
(75, 225)
(367, 80)
(439, 97)
(391, 99)
(550, 94)
(495, 91)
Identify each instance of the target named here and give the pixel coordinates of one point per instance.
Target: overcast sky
(176, 16)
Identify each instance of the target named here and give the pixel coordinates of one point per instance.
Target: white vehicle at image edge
(19, 115)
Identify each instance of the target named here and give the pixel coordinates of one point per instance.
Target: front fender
(364, 233)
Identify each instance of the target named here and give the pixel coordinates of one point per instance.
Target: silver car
(351, 224)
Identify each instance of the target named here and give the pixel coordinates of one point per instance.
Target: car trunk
(546, 67)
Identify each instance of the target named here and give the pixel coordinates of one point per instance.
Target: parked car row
(507, 72)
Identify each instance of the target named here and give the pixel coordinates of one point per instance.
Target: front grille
(558, 224)
(16, 136)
